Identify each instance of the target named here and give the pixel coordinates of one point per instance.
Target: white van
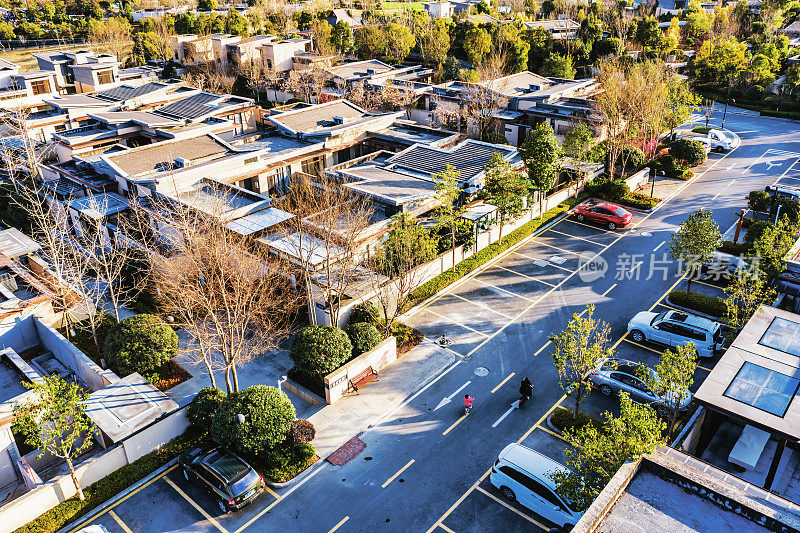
(521, 474)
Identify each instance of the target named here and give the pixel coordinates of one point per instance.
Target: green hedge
(701, 129)
(734, 248)
(562, 419)
(428, 289)
(284, 462)
(113, 484)
(710, 305)
(639, 200)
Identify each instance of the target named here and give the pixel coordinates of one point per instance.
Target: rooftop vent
(533, 88)
(370, 71)
(181, 162)
(338, 120)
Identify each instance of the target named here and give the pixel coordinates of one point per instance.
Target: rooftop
(318, 117)
(360, 69)
(14, 243)
(258, 221)
(199, 105)
(468, 158)
(99, 206)
(162, 156)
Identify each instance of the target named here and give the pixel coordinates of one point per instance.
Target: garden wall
(638, 180)
(337, 382)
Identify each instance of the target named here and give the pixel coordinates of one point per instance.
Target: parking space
(171, 503)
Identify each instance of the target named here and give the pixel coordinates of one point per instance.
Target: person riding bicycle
(525, 390)
(468, 402)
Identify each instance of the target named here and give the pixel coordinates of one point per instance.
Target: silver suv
(614, 375)
(676, 328)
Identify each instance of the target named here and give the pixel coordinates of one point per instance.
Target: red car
(609, 215)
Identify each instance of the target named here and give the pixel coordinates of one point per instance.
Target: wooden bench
(362, 378)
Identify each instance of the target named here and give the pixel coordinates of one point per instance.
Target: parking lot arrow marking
(514, 405)
(448, 399)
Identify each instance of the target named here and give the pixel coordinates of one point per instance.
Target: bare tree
(307, 84)
(207, 77)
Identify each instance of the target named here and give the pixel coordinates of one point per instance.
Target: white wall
(337, 383)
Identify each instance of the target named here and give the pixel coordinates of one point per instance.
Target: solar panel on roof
(191, 107)
(763, 389)
(124, 92)
(469, 159)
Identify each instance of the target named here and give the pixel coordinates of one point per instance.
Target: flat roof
(388, 185)
(296, 247)
(99, 206)
(260, 220)
(359, 68)
(161, 156)
(14, 243)
(757, 378)
(318, 117)
(469, 158)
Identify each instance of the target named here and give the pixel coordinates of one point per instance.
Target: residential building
(374, 75)
(246, 51)
(278, 55)
(341, 15)
(559, 29)
(792, 31)
(439, 9)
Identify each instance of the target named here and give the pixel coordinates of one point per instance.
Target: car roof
(532, 462)
(227, 464)
(691, 320)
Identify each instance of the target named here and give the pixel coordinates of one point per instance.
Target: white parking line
(481, 305)
(479, 280)
(524, 275)
(454, 322)
(195, 505)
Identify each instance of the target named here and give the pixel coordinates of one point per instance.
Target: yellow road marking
(660, 245)
(456, 323)
(195, 505)
(510, 508)
(457, 422)
(704, 368)
(502, 382)
(458, 502)
(479, 280)
(706, 284)
(272, 492)
(337, 526)
(670, 307)
(119, 521)
(573, 221)
(545, 345)
(609, 289)
(256, 517)
(643, 346)
(94, 517)
(411, 462)
(525, 275)
(446, 528)
(542, 419)
(553, 433)
(481, 305)
(576, 237)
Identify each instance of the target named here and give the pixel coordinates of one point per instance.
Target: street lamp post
(280, 383)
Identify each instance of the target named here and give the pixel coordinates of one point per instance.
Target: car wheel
(580, 217)
(637, 335)
(719, 149)
(186, 474)
(612, 226)
(508, 493)
(606, 390)
(222, 506)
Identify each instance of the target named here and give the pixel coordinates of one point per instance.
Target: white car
(716, 140)
(522, 475)
(677, 328)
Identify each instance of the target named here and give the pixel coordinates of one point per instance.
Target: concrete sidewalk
(338, 423)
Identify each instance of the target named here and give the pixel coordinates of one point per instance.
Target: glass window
(105, 76)
(783, 335)
(40, 87)
(763, 388)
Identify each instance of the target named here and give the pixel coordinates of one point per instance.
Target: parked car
(614, 375)
(723, 265)
(610, 215)
(782, 191)
(521, 474)
(716, 140)
(227, 477)
(676, 328)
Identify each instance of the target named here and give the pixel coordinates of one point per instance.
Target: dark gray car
(616, 375)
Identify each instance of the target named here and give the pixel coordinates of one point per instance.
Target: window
(314, 165)
(763, 388)
(666, 327)
(783, 335)
(632, 382)
(40, 87)
(105, 76)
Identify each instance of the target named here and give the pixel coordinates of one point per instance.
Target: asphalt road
(426, 469)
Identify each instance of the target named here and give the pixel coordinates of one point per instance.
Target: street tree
(342, 37)
(673, 377)
(597, 454)
(772, 245)
(746, 292)
(504, 188)
(577, 146)
(542, 156)
(322, 35)
(694, 242)
(578, 350)
(434, 42)
(53, 420)
(448, 212)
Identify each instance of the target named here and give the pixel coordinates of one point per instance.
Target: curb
(552, 427)
(302, 475)
(108, 504)
(692, 311)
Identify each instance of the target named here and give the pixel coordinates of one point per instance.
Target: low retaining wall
(302, 393)
(337, 382)
(639, 180)
(31, 505)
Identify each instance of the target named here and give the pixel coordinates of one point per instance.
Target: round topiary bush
(611, 190)
(301, 431)
(363, 312)
(364, 336)
(689, 150)
(205, 404)
(140, 343)
(268, 415)
(319, 350)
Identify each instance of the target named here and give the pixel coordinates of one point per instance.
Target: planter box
(337, 383)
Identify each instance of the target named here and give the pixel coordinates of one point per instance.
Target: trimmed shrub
(701, 129)
(755, 231)
(268, 415)
(286, 461)
(563, 420)
(205, 404)
(363, 312)
(688, 150)
(364, 336)
(608, 190)
(140, 343)
(734, 248)
(319, 350)
(301, 431)
(710, 305)
(759, 201)
(639, 200)
(633, 157)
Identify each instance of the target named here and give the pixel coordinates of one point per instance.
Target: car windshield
(618, 211)
(658, 318)
(244, 483)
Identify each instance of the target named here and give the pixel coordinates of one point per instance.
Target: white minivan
(522, 475)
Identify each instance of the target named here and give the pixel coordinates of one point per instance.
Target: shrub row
(431, 287)
(562, 419)
(710, 305)
(639, 200)
(113, 484)
(734, 248)
(285, 461)
(701, 129)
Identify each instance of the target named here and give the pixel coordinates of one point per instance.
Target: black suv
(229, 479)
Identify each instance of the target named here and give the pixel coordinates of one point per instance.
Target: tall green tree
(694, 242)
(477, 44)
(399, 41)
(746, 292)
(577, 146)
(504, 189)
(771, 246)
(448, 212)
(673, 377)
(542, 156)
(54, 421)
(342, 36)
(578, 350)
(597, 454)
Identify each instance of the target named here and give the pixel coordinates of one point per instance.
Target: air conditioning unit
(181, 162)
(338, 119)
(533, 88)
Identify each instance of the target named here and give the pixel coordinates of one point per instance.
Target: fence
(30, 506)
